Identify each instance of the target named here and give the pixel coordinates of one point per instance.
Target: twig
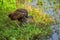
(17, 24)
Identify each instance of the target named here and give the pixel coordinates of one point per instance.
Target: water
(56, 27)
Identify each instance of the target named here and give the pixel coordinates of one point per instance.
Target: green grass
(22, 33)
(10, 31)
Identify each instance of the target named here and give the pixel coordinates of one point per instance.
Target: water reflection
(55, 36)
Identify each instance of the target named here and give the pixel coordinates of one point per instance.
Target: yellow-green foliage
(38, 15)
